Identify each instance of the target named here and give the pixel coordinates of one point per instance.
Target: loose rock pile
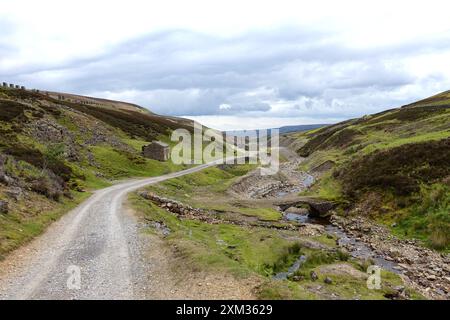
(48, 131)
(181, 210)
(426, 270)
(288, 181)
(271, 189)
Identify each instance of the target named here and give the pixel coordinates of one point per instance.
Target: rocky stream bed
(423, 269)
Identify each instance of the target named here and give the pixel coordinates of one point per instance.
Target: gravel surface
(98, 238)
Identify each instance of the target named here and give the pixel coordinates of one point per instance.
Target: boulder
(4, 208)
(4, 178)
(297, 278)
(16, 193)
(144, 194)
(399, 288)
(431, 277)
(322, 208)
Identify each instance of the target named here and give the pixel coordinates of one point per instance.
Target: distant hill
(299, 128)
(393, 165)
(97, 102)
(282, 130)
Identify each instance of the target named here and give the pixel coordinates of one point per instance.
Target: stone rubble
(181, 210)
(424, 269)
(288, 181)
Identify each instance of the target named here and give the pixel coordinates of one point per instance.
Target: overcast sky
(232, 64)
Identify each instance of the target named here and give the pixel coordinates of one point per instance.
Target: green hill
(54, 151)
(392, 166)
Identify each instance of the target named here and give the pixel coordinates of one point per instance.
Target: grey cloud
(178, 72)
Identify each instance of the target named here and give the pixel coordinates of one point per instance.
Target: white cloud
(224, 106)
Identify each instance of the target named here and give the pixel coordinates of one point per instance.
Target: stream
(297, 264)
(306, 181)
(358, 249)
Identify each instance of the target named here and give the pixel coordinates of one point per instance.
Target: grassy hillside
(392, 166)
(53, 152)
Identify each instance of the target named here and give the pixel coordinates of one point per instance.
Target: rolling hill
(55, 148)
(392, 166)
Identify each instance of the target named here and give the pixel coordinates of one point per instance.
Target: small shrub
(45, 187)
(318, 258)
(439, 227)
(440, 237)
(342, 255)
(363, 265)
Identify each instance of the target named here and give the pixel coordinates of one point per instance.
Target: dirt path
(98, 239)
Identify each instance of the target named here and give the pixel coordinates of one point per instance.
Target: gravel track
(99, 238)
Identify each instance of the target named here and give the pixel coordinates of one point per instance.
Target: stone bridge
(318, 207)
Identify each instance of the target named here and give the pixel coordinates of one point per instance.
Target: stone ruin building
(156, 150)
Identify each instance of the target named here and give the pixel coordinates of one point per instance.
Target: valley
(76, 191)
(334, 242)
